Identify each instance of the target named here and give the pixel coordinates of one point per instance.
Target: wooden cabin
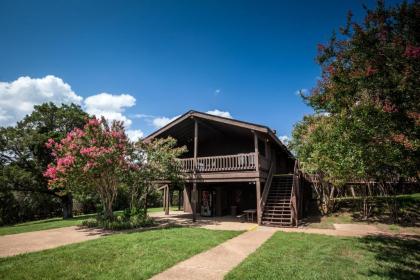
(234, 167)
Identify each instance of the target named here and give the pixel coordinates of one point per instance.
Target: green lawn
(121, 256)
(56, 223)
(312, 256)
(43, 224)
(349, 213)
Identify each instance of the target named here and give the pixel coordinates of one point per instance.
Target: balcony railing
(236, 162)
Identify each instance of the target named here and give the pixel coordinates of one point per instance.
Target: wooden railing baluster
(219, 163)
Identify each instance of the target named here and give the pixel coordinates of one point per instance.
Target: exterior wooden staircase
(278, 209)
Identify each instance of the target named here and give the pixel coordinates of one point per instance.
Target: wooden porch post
(258, 190)
(167, 200)
(194, 190)
(179, 199)
(164, 198)
(257, 181)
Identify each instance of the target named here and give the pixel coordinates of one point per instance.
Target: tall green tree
(24, 156)
(366, 125)
(156, 162)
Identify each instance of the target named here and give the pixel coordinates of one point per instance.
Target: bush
(17, 207)
(407, 206)
(130, 219)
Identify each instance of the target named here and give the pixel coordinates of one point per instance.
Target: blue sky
(158, 59)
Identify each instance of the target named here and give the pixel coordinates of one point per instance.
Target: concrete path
(218, 261)
(15, 244)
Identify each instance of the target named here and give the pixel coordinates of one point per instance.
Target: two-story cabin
(233, 166)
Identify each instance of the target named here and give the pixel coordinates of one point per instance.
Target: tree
(366, 125)
(156, 162)
(92, 159)
(23, 155)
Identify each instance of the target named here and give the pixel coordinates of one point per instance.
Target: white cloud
(219, 113)
(159, 122)
(110, 106)
(217, 91)
(285, 139)
(134, 134)
(18, 98)
(304, 91)
(162, 121)
(143, 116)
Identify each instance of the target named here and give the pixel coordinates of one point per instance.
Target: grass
(44, 224)
(311, 256)
(56, 223)
(137, 255)
(160, 209)
(408, 205)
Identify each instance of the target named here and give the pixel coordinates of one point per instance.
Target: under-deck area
(222, 199)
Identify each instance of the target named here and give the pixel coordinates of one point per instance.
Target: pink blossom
(51, 172)
(87, 151)
(94, 122)
(50, 143)
(65, 161)
(412, 51)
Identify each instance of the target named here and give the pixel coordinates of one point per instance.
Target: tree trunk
(145, 204)
(67, 204)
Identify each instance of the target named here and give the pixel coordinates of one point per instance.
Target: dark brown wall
(225, 145)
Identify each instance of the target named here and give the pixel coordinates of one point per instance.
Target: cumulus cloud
(285, 139)
(134, 134)
(162, 121)
(219, 113)
(110, 106)
(159, 122)
(303, 91)
(18, 98)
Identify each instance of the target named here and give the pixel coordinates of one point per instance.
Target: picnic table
(250, 214)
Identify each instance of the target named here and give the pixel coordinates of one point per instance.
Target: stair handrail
(266, 190)
(293, 199)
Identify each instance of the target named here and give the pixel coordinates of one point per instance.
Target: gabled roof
(200, 115)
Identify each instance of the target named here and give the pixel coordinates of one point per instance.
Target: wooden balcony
(226, 163)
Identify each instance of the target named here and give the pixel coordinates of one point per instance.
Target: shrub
(130, 219)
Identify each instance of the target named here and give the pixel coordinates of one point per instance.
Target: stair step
(278, 210)
(277, 216)
(277, 219)
(271, 224)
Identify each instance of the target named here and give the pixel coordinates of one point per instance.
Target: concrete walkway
(20, 243)
(218, 261)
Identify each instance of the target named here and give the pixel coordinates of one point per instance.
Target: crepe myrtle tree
(366, 125)
(92, 159)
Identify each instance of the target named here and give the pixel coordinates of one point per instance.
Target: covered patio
(179, 218)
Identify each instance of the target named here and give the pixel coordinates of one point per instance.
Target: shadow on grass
(76, 218)
(398, 257)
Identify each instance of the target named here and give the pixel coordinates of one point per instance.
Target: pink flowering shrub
(93, 158)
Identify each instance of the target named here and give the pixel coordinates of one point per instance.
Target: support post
(258, 190)
(258, 180)
(179, 199)
(257, 155)
(167, 200)
(164, 198)
(194, 190)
